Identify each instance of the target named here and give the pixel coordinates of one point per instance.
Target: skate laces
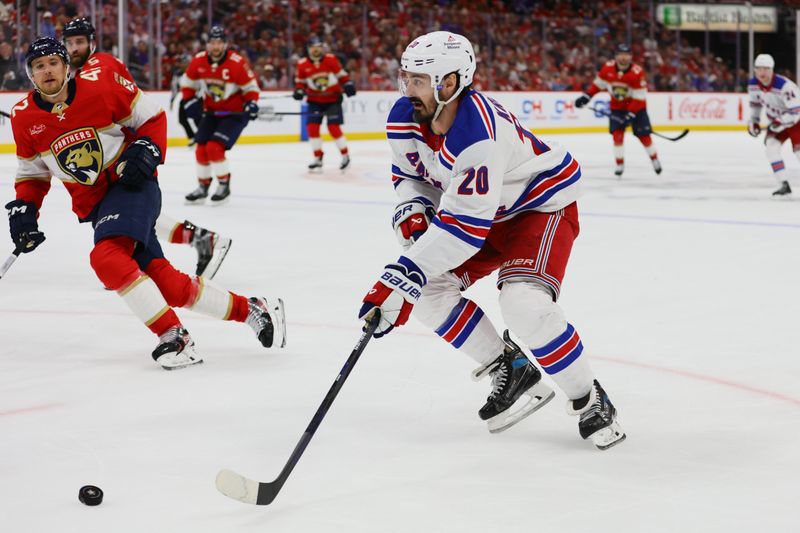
(175, 334)
(500, 376)
(258, 315)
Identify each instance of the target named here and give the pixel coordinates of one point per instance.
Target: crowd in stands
(522, 45)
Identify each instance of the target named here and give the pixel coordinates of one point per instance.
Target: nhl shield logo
(80, 154)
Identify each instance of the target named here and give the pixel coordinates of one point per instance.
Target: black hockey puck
(90, 495)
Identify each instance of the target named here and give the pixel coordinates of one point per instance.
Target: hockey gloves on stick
(193, 107)
(349, 88)
(753, 128)
(251, 108)
(397, 290)
(582, 100)
(411, 220)
(298, 94)
(23, 226)
(138, 163)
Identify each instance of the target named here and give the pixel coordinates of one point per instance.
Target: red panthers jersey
(79, 141)
(225, 85)
(110, 62)
(628, 88)
(322, 80)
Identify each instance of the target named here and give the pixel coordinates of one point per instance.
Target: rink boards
(543, 112)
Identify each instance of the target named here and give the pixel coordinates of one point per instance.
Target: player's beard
(77, 60)
(421, 115)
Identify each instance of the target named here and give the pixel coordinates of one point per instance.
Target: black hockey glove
(582, 100)
(138, 163)
(298, 94)
(23, 226)
(251, 108)
(349, 89)
(193, 107)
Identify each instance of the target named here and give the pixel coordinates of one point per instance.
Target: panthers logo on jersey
(80, 154)
(619, 92)
(320, 83)
(217, 91)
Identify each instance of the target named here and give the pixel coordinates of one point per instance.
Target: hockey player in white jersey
(780, 98)
(479, 193)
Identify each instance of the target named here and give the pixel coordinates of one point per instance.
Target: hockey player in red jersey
(220, 94)
(79, 38)
(626, 84)
(321, 80)
(104, 139)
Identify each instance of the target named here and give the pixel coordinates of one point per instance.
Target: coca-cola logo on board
(709, 108)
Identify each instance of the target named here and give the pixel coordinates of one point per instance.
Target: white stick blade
(237, 487)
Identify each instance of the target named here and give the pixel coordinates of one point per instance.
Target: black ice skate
(619, 169)
(198, 195)
(783, 190)
(598, 420)
(316, 164)
(222, 193)
(513, 375)
(211, 251)
(175, 349)
(657, 166)
(269, 323)
(345, 162)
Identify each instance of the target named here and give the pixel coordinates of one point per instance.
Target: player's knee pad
(530, 312)
(439, 297)
(112, 262)
(200, 154)
(618, 136)
(215, 151)
(335, 130)
(313, 129)
(177, 288)
(646, 140)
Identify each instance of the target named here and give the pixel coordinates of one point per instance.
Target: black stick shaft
(678, 137)
(268, 491)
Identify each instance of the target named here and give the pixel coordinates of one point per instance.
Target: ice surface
(684, 288)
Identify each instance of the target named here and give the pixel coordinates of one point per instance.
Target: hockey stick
(273, 97)
(605, 113)
(5, 114)
(246, 490)
(10, 261)
(263, 114)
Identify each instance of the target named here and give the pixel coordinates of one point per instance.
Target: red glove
(411, 220)
(395, 293)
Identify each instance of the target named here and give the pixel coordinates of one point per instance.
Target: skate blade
(194, 202)
(538, 396)
(220, 202)
(179, 367)
(280, 319)
(221, 248)
(607, 437)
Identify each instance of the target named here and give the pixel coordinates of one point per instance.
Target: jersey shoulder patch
(236, 58)
(475, 122)
(778, 81)
(636, 69)
(198, 55)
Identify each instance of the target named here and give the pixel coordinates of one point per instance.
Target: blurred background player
(220, 94)
(321, 79)
(79, 38)
(104, 139)
(627, 86)
(478, 195)
(781, 99)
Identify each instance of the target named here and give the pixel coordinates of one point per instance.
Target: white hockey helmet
(764, 60)
(438, 54)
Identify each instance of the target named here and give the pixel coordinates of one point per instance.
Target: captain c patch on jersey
(80, 154)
